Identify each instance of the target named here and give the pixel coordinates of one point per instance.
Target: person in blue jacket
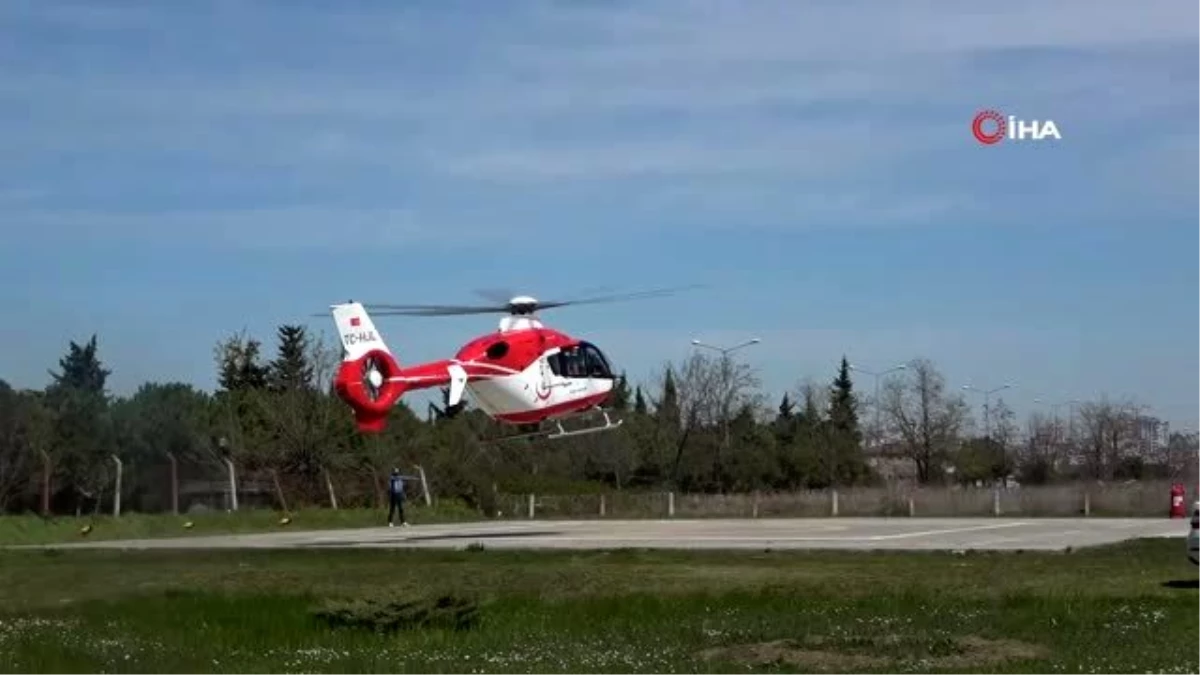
(396, 497)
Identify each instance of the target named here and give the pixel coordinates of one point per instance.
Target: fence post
(174, 483)
(996, 502)
(912, 507)
(233, 502)
(670, 504)
(117, 491)
(425, 486)
(756, 503)
(531, 505)
(45, 482)
(329, 487)
(601, 506)
(279, 490)
(833, 506)
(1087, 503)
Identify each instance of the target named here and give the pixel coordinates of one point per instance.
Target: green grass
(32, 529)
(1125, 608)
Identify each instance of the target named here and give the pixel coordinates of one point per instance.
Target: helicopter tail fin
(369, 379)
(357, 331)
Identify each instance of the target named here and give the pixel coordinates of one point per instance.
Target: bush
(391, 615)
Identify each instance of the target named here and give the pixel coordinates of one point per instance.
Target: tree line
(699, 425)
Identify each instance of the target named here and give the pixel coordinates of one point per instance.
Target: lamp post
(987, 396)
(726, 373)
(878, 406)
(1059, 435)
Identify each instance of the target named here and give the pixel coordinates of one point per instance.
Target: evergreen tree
(843, 413)
(239, 364)
(82, 433)
(639, 401)
(785, 421)
(81, 370)
(844, 436)
(667, 411)
(786, 407)
(291, 370)
(620, 394)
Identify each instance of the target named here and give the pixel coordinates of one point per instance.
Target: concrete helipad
(808, 533)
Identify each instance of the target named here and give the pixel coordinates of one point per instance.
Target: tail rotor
(369, 378)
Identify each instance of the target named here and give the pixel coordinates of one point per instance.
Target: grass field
(31, 529)
(1126, 608)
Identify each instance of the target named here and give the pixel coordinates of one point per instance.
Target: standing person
(396, 498)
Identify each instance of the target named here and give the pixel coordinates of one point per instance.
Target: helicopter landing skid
(560, 432)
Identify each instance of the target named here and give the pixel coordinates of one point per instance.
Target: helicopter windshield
(581, 361)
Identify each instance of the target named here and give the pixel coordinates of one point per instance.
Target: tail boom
(370, 379)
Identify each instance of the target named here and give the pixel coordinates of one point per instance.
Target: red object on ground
(1177, 495)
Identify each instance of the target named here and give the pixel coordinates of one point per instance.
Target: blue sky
(173, 173)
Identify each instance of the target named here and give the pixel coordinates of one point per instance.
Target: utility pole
(987, 422)
(727, 376)
(1054, 413)
(878, 404)
(1059, 436)
(987, 396)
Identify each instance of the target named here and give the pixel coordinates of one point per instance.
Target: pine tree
(844, 435)
(639, 401)
(81, 370)
(239, 366)
(785, 421)
(843, 413)
(620, 394)
(667, 411)
(785, 408)
(82, 437)
(291, 370)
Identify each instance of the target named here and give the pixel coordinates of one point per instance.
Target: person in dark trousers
(396, 498)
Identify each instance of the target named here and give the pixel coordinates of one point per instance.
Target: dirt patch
(819, 653)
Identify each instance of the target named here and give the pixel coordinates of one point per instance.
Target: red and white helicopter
(524, 374)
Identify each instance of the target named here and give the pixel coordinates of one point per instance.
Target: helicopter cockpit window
(581, 361)
(597, 365)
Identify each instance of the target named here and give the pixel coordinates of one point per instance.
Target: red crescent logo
(993, 137)
(543, 385)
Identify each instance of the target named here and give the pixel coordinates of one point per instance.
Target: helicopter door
(549, 372)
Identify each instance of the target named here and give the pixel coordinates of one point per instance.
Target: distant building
(1150, 436)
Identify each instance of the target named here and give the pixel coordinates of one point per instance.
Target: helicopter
(524, 375)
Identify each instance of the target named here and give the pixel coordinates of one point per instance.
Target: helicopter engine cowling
(370, 385)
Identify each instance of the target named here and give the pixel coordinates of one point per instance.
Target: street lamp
(1071, 403)
(877, 375)
(726, 351)
(726, 373)
(987, 395)
(1055, 406)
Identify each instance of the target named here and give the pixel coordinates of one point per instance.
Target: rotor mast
(521, 314)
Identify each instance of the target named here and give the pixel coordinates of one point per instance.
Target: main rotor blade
(639, 295)
(439, 311)
(375, 307)
(383, 309)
